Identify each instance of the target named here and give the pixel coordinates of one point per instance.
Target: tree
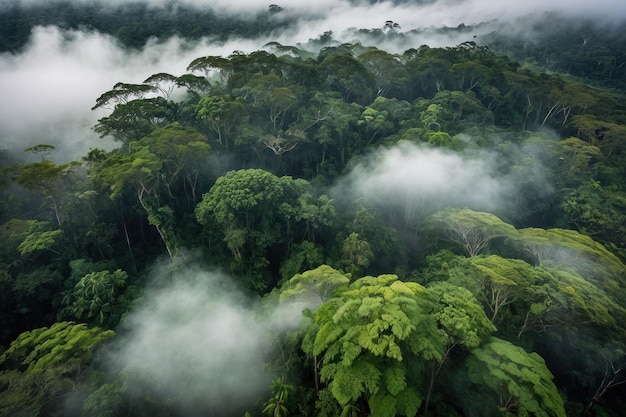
(569, 98)
(513, 381)
(39, 238)
(95, 295)
(165, 83)
(531, 294)
(254, 210)
(597, 211)
(568, 247)
(315, 286)
(276, 405)
(386, 69)
(42, 149)
(303, 257)
(373, 336)
(176, 153)
(603, 134)
(222, 114)
(132, 120)
(462, 323)
(45, 177)
(577, 153)
(350, 77)
(380, 118)
(223, 67)
(356, 253)
(122, 93)
(470, 229)
(42, 366)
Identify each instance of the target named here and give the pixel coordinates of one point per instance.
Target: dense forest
(324, 229)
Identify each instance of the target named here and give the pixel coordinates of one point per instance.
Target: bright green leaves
(520, 381)
(395, 380)
(40, 349)
(369, 333)
(379, 315)
(571, 251)
(221, 114)
(519, 295)
(120, 170)
(471, 229)
(348, 383)
(382, 405)
(45, 363)
(587, 302)
(461, 319)
(39, 238)
(315, 286)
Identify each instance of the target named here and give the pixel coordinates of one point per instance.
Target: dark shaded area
(132, 23)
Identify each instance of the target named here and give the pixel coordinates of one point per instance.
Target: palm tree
(275, 406)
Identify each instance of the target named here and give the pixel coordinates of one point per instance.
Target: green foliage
(356, 254)
(45, 363)
(284, 125)
(514, 282)
(369, 334)
(462, 321)
(255, 210)
(518, 382)
(158, 167)
(315, 286)
(470, 229)
(569, 248)
(276, 405)
(95, 295)
(38, 238)
(61, 346)
(305, 256)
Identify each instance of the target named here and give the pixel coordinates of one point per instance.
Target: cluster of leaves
(408, 314)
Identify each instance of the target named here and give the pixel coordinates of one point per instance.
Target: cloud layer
(417, 180)
(197, 339)
(49, 87)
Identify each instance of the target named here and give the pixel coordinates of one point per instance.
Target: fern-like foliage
(369, 334)
(520, 380)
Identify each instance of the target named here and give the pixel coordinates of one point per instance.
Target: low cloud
(419, 179)
(197, 340)
(50, 85)
(49, 88)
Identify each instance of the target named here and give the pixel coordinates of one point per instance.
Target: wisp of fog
(197, 339)
(419, 179)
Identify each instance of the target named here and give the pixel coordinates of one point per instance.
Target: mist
(418, 180)
(50, 85)
(409, 13)
(197, 339)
